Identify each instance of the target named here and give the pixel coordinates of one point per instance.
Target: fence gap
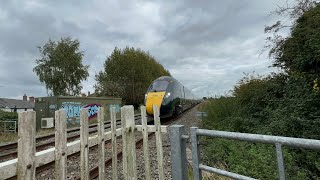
(26, 145)
(158, 141)
(84, 147)
(60, 145)
(114, 143)
(129, 143)
(101, 143)
(145, 142)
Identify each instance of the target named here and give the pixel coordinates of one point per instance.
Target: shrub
(276, 105)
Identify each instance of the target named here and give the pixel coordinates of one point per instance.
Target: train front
(159, 94)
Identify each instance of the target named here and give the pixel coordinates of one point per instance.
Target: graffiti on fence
(92, 110)
(72, 110)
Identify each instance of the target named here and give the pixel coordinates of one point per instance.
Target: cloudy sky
(206, 45)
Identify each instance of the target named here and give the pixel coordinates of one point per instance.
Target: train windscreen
(158, 86)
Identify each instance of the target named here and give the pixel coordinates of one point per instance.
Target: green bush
(275, 105)
(285, 104)
(8, 115)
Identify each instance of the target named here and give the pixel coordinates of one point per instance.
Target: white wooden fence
(24, 167)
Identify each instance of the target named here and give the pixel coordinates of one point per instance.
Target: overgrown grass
(203, 105)
(43, 132)
(8, 137)
(251, 159)
(207, 175)
(12, 137)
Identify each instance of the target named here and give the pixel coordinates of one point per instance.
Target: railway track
(12, 147)
(94, 172)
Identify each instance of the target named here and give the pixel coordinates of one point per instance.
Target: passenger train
(170, 95)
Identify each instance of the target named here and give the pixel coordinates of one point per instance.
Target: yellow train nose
(153, 98)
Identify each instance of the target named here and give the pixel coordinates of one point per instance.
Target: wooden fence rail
(24, 167)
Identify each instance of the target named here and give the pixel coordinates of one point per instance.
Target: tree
(276, 40)
(127, 74)
(282, 104)
(60, 67)
(300, 53)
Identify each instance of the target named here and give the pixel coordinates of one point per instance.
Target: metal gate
(178, 150)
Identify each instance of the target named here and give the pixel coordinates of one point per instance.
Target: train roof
(167, 78)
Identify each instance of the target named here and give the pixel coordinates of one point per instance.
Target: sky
(206, 45)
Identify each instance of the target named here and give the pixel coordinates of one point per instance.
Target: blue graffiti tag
(72, 110)
(92, 110)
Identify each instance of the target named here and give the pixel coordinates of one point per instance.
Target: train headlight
(145, 96)
(168, 95)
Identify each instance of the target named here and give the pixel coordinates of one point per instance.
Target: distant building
(15, 105)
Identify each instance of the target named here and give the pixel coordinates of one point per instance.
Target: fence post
(145, 142)
(114, 143)
(26, 145)
(60, 145)
(129, 145)
(158, 141)
(178, 152)
(101, 143)
(281, 166)
(195, 154)
(124, 144)
(84, 146)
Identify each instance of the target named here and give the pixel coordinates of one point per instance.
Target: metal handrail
(267, 139)
(278, 141)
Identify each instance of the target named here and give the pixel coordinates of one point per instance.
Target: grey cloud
(207, 45)
(213, 22)
(29, 30)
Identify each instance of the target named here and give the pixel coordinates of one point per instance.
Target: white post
(26, 145)
(158, 141)
(129, 144)
(101, 143)
(145, 142)
(84, 147)
(60, 145)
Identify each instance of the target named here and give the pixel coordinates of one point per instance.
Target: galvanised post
(178, 152)
(281, 168)
(195, 154)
